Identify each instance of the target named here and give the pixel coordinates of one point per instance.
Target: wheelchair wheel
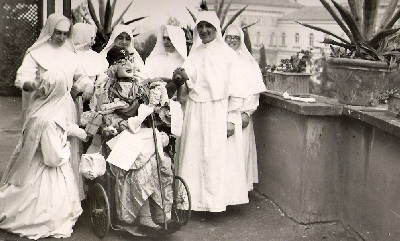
(99, 210)
(181, 207)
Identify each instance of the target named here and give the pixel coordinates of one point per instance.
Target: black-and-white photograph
(189, 120)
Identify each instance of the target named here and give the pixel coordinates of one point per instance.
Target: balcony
(326, 161)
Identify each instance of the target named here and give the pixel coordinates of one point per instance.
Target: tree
(173, 21)
(263, 59)
(147, 46)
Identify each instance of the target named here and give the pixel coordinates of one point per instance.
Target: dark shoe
(172, 225)
(153, 231)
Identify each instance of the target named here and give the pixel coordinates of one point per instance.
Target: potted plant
(86, 12)
(361, 63)
(391, 97)
(290, 75)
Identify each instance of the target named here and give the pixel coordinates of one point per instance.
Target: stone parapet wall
(326, 161)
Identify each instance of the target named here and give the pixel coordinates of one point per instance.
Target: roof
(309, 13)
(271, 3)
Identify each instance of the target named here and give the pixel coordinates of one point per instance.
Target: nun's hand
(245, 120)
(29, 86)
(231, 129)
(88, 92)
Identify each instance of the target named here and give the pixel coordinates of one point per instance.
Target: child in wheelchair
(127, 103)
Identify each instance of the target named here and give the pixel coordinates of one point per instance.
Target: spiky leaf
(355, 8)
(374, 42)
(134, 20)
(333, 42)
(393, 20)
(122, 15)
(221, 6)
(249, 25)
(233, 18)
(102, 11)
(349, 20)
(225, 13)
(108, 18)
(92, 13)
(388, 13)
(324, 31)
(191, 14)
(338, 20)
(370, 12)
(113, 7)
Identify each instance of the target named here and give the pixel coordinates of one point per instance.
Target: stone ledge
(375, 116)
(323, 107)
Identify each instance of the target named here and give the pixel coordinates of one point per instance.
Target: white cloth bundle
(92, 165)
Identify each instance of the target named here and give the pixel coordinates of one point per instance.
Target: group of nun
(42, 189)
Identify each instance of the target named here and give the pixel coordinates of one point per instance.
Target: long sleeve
(27, 71)
(54, 146)
(250, 104)
(234, 107)
(81, 80)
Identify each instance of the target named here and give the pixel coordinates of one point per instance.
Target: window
(311, 39)
(283, 39)
(272, 39)
(258, 38)
(297, 38)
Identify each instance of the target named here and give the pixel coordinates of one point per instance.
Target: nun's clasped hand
(245, 120)
(230, 129)
(29, 86)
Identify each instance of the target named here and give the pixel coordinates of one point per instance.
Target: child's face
(124, 68)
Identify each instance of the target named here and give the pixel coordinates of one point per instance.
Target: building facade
(276, 28)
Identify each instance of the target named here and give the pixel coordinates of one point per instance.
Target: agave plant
(359, 23)
(222, 13)
(104, 21)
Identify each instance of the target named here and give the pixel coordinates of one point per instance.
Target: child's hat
(116, 53)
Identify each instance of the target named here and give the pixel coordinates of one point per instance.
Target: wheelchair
(101, 195)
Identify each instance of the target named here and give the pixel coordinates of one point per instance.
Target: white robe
(249, 142)
(35, 64)
(250, 75)
(203, 160)
(48, 203)
(163, 65)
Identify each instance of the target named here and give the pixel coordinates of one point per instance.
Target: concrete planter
(358, 82)
(293, 83)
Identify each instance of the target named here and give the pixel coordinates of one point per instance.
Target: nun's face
(207, 32)
(169, 47)
(233, 41)
(123, 40)
(59, 37)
